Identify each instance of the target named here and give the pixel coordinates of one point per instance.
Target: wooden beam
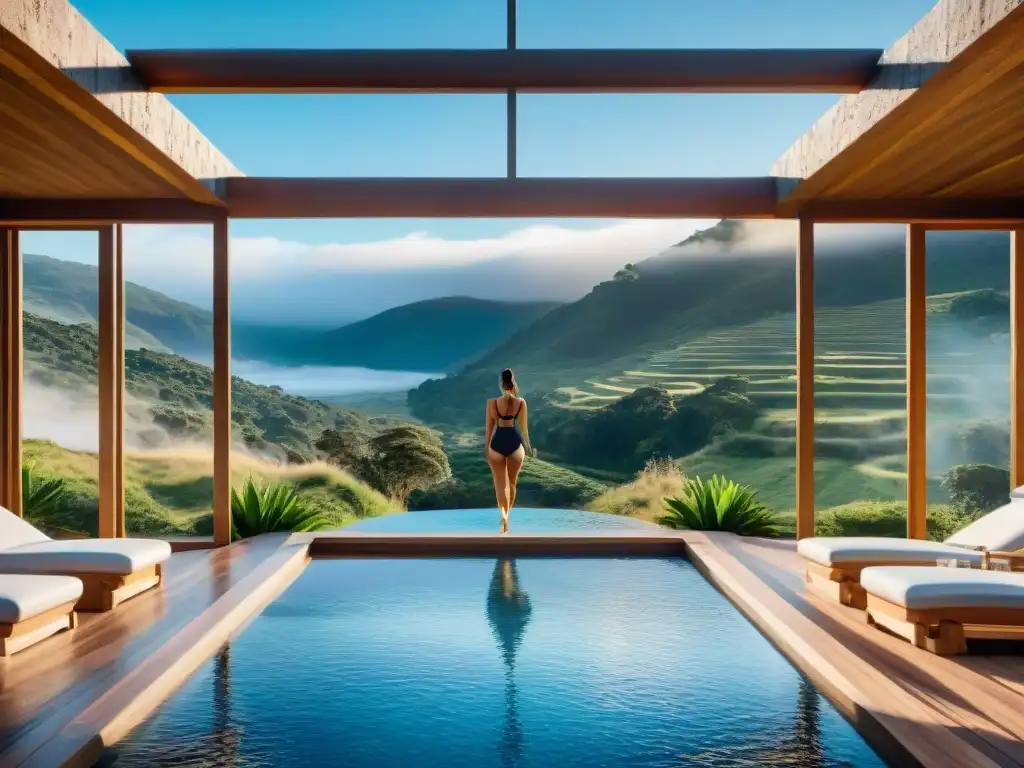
(109, 471)
(121, 530)
(805, 380)
(917, 385)
(279, 70)
(11, 370)
(252, 197)
(76, 214)
(1017, 358)
(937, 212)
(221, 385)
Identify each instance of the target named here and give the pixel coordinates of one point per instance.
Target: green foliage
(719, 505)
(273, 508)
(41, 497)
(974, 488)
(627, 273)
(646, 423)
(886, 518)
(986, 310)
(396, 462)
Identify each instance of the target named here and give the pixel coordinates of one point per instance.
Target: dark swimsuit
(506, 440)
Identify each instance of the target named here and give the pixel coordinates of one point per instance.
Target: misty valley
(679, 365)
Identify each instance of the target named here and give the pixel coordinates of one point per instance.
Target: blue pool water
(524, 520)
(473, 663)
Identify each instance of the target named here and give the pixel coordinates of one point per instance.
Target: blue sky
(350, 268)
(592, 135)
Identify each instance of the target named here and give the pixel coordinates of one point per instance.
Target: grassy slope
(433, 335)
(171, 492)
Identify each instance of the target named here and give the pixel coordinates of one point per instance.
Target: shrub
(41, 497)
(720, 505)
(272, 508)
(976, 488)
(886, 518)
(643, 497)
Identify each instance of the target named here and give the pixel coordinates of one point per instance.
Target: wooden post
(10, 370)
(805, 380)
(119, 320)
(1016, 358)
(221, 385)
(917, 385)
(111, 401)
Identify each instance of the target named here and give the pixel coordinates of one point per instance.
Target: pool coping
(109, 718)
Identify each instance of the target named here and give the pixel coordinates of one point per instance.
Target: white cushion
(23, 597)
(836, 550)
(14, 531)
(117, 556)
(923, 588)
(1017, 493)
(1001, 529)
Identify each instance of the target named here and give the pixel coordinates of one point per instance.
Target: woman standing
(507, 438)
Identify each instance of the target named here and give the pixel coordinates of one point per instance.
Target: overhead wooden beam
(221, 384)
(279, 70)
(805, 380)
(1017, 357)
(11, 371)
(111, 397)
(917, 385)
(76, 214)
(253, 197)
(949, 212)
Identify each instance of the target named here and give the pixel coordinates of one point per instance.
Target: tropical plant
(273, 508)
(41, 496)
(719, 505)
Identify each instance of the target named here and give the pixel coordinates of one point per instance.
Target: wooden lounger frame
(19, 636)
(945, 631)
(840, 582)
(105, 591)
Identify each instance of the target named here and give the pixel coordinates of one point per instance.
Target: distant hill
(66, 291)
(729, 275)
(432, 335)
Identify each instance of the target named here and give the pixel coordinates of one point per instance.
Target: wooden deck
(63, 700)
(960, 711)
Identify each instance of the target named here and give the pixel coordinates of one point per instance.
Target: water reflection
(508, 613)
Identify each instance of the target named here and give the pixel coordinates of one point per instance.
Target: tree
(628, 272)
(975, 488)
(396, 462)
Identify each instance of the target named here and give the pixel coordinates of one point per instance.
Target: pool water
(483, 662)
(526, 520)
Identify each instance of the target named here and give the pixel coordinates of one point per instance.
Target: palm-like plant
(719, 505)
(41, 497)
(274, 508)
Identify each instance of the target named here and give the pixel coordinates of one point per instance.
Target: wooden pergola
(929, 133)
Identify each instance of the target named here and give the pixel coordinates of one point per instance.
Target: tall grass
(642, 498)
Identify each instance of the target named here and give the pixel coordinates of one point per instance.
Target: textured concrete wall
(59, 33)
(945, 32)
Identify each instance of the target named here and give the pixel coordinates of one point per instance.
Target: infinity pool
(483, 662)
(524, 520)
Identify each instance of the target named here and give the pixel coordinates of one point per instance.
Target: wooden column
(805, 380)
(917, 385)
(11, 370)
(110, 332)
(221, 385)
(1017, 358)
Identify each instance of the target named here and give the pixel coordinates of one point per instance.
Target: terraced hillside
(860, 393)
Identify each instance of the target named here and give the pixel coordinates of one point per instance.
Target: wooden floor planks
(942, 711)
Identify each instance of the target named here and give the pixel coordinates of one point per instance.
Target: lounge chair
(111, 570)
(834, 563)
(34, 607)
(938, 609)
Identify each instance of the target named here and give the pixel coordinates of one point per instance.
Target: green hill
(66, 291)
(432, 335)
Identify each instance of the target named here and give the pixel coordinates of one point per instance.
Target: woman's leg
(514, 463)
(500, 473)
